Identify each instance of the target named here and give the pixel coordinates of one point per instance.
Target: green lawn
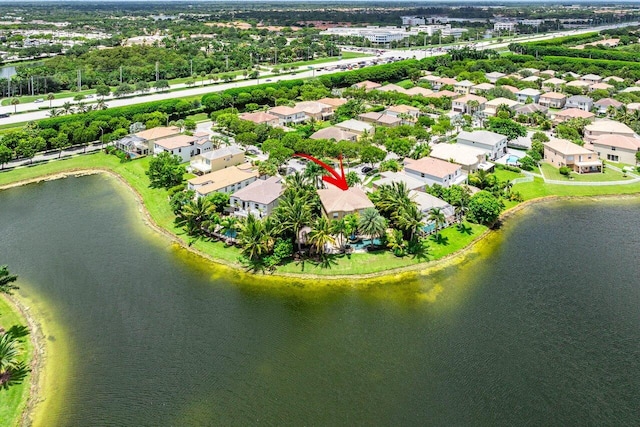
(505, 175)
(378, 262)
(200, 117)
(345, 55)
(537, 188)
(551, 172)
(13, 401)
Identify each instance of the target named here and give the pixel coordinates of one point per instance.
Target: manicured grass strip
(537, 188)
(552, 173)
(13, 401)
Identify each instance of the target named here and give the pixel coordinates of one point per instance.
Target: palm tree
(409, 219)
(50, 97)
(351, 224)
(55, 112)
(314, 173)
(229, 225)
(372, 223)
(294, 213)
(253, 238)
(67, 107)
(12, 370)
(15, 102)
(339, 229)
(321, 234)
(6, 280)
(194, 214)
(437, 216)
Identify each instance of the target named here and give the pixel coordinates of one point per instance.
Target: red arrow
(338, 180)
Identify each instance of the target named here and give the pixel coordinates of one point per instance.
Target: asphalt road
(27, 112)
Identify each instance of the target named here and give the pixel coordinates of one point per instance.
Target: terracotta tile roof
(158, 132)
(334, 102)
(177, 141)
(618, 141)
(335, 200)
(259, 117)
(566, 147)
(575, 113)
(553, 95)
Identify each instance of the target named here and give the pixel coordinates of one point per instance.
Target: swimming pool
(512, 160)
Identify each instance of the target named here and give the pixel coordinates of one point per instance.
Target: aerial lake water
(538, 325)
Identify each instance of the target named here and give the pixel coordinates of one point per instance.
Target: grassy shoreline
(15, 401)
(158, 215)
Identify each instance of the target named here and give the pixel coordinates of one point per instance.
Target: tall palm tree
(50, 97)
(294, 213)
(321, 234)
(339, 230)
(372, 223)
(437, 216)
(6, 280)
(313, 173)
(15, 102)
(229, 225)
(67, 107)
(253, 238)
(351, 222)
(410, 219)
(194, 214)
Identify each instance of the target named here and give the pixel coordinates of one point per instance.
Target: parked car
(367, 169)
(37, 101)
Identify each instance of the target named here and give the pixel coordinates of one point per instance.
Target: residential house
(401, 111)
(529, 109)
(367, 85)
(260, 117)
(491, 107)
(183, 146)
(426, 202)
(431, 79)
(494, 76)
(531, 79)
(391, 88)
(227, 180)
(530, 71)
(388, 177)
(215, 160)
(606, 127)
(259, 198)
(315, 110)
(356, 126)
(133, 145)
(380, 119)
(334, 133)
(468, 104)
(579, 84)
(562, 152)
(581, 102)
(548, 73)
(419, 91)
(434, 171)
(337, 203)
(553, 100)
(463, 87)
(631, 89)
(481, 88)
(613, 79)
(333, 102)
(602, 105)
(444, 93)
(528, 94)
(571, 74)
(600, 86)
(572, 113)
(443, 81)
(494, 144)
(591, 78)
(633, 106)
(552, 84)
(141, 143)
(288, 115)
(511, 89)
(471, 159)
(616, 148)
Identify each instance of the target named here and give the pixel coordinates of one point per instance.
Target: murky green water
(541, 328)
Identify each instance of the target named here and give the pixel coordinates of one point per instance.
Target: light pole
(101, 137)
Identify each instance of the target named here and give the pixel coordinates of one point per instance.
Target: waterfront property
(494, 144)
(470, 158)
(226, 180)
(215, 160)
(606, 127)
(562, 152)
(259, 198)
(183, 146)
(616, 148)
(336, 203)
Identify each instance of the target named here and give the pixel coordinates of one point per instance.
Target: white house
(434, 171)
(183, 146)
(259, 198)
(494, 144)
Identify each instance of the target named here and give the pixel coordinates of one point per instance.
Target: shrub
(565, 170)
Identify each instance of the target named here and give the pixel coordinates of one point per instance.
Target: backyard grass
(13, 401)
(552, 173)
(538, 188)
(506, 175)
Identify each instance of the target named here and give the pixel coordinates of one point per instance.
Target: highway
(30, 112)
